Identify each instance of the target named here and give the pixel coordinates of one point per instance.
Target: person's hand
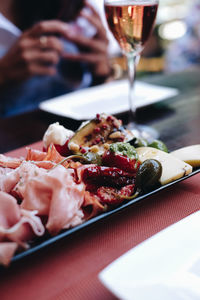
(93, 51)
(36, 52)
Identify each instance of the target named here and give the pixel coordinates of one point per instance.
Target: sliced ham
(35, 155)
(44, 164)
(67, 198)
(76, 220)
(53, 155)
(28, 227)
(10, 162)
(14, 179)
(17, 227)
(9, 211)
(17, 224)
(7, 251)
(91, 205)
(9, 180)
(48, 159)
(54, 194)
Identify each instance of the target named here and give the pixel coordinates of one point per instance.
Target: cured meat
(9, 211)
(54, 194)
(9, 180)
(91, 205)
(44, 164)
(35, 155)
(53, 155)
(7, 250)
(13, 180)
(10, 162)
(17, 226)
(48, 159)
(51, 193)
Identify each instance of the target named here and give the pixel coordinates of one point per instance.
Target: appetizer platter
(79, 178)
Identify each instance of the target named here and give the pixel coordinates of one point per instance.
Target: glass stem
(131, 64)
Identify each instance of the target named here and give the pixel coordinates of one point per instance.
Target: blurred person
(45, 51)
(185, 52)
(113, 46)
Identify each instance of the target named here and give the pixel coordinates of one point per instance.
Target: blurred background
(164, 50)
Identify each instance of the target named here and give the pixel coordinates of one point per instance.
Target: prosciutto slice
(17, 226)
(7, 250)
(55, 194)
(91, 205)
(10, 162)
(46, 160)
(35, 155)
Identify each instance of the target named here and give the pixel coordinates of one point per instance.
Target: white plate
(166, 266)
(110, 98)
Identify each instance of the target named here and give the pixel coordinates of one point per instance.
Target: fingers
(38, 54)
(43, 57)
(92, 45)
(51, 43)
(36, 61)
(48, 27)
(98, 64)
(41, 70)
(86, 57)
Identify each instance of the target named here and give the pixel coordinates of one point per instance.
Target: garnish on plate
(79, 175)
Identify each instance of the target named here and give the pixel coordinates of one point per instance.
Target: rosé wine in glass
(131, 22)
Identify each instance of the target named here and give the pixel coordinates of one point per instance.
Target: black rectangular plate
(51, 240)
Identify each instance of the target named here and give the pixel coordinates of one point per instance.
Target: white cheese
(189, 154)
(56, 134)
(172, 167)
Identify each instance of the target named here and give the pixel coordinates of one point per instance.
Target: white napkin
(164, 267)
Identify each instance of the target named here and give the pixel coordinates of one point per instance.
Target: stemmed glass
(131, 22)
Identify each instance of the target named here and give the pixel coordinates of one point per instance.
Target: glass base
(143, 131)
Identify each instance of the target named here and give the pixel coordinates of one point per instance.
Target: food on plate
(76, 176)
(98, 133)
(17, 226)
(148, 175)
(172, 167)
(189, 154)
(121, 155)
(141, 142)
(158, 145)
(59, 136)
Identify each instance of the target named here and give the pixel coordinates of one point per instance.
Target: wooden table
(177, 119)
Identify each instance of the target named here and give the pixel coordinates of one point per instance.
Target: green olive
(158, 145)
(148, 175)
(138, 142)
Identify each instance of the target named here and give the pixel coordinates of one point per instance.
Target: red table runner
(69, 269)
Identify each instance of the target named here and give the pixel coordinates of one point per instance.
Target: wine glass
(131, 22)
